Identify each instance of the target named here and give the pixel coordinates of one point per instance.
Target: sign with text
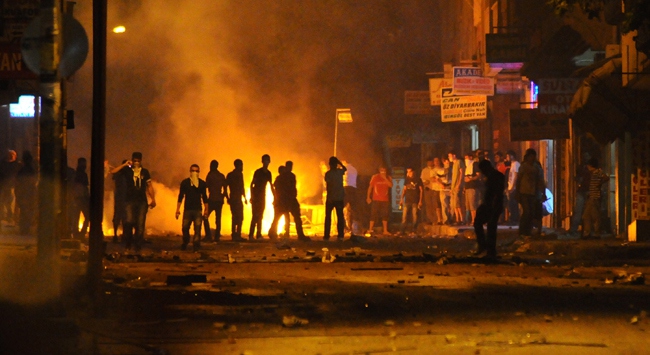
(556, 94)
(417, 103)
(530, 125)
(15, 15)
(11, 63)
(641, 195)
(435, 85)
(462, 108)
(505, 48)
(470, 81)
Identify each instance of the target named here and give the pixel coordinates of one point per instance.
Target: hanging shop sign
(641, 194)
(462, 108)
(470, 81)
(505, 48)
(530, 125)
(555, 95)
(12, 65)
(417, 103)
(435, 85)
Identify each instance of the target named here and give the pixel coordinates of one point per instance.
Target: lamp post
(343, 115)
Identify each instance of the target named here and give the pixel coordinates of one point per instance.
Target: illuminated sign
(462, 108)
(470, 81)
(24, 108)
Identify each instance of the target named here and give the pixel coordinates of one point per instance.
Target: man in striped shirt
(591, 215)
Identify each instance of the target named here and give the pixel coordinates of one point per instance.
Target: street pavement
(419, 294)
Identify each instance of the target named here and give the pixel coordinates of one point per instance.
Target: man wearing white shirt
(350, 187)
(513, 205)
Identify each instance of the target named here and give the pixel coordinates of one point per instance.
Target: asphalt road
(387, 295)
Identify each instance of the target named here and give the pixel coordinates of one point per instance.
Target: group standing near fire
(448, 191)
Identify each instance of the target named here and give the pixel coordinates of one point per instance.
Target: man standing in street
(138, 188)
(456, 187)
(9, 167)
(379, 198)
(489, 210)
(216, 184)
(350, 202)
(530, 191)
(411, 199)
(431, 203)
(286, 202)
(471, 179)
(513, 204)
(591, 215)
(261, 178)
(235, 182)
(335, 197)
(193, 190)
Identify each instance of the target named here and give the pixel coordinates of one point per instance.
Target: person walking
(591, 215)
(193, 190)
(25, 191)
(530, 191)
(335, 198)
(489, 210)
(261, 178)
(378, 197)
(140, 196)
(216, 184)
(411, 199)
(235, 183)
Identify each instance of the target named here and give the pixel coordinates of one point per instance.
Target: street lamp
(343, 115)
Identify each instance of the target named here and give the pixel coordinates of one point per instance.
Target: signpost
(530, 125)
(470, 81)
(462, 108)
(343, 115)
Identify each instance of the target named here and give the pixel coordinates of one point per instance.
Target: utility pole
(50, 187)
(96, 239)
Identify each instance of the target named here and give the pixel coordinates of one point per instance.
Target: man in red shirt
(378, 196)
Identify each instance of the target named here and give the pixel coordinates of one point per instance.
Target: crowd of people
(476, 190)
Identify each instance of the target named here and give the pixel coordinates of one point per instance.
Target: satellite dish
(75, 46)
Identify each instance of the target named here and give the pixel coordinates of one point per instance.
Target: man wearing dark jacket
(193, 190)
(489, 210)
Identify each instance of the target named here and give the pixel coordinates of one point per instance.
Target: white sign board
(470, 81)
(435, 85)
(462, 108)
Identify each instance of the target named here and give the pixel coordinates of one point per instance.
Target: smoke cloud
(192, 81)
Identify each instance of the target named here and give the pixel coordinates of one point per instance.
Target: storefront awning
(601, 106)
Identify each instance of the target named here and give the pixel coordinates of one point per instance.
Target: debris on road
(327, 256)
(293, 321)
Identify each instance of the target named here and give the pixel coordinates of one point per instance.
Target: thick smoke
(192, 81)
